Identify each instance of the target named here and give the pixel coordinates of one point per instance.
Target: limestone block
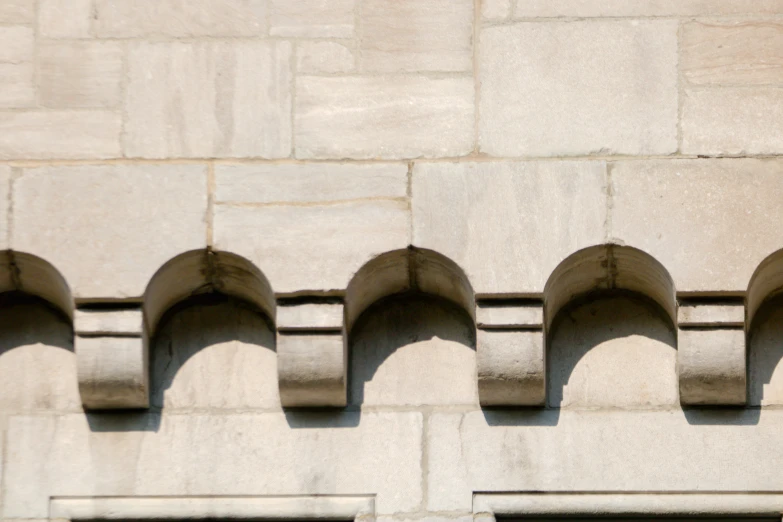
(180, 19)
(324, 57)
(614, 8)
(6, 174)
(214, 352)
(312, 370)
(739, 53)
(612, 352)
(310, 316)
(161, 209)
(413, 350)
(64, 18)
(37, 363)
(60, 135)
(80, 74)
(409, 35)
(209, 99)
(111, 354)
(17, 11)
(712, 366)
(495, 9)
(285, 240)
(309, 182)
(508, 224)
(705, 314)
(312, 18)
(733, 121)
(16, 44)
(599, 451)
(511, 367)
(731, 227)
(584, 87)
(311, 354)
(16, 85)
(152, 455)
(383, 117)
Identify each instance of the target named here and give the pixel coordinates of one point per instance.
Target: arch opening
(765, 284)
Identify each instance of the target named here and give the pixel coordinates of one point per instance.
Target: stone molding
(486, 506)
(305, 507)
(313, 331)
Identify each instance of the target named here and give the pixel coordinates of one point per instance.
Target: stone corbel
(111, 355)
(711, 353)
(311, 354)
(510, 353)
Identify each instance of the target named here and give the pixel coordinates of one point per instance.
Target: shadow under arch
(622, 301)
(218, 300)
(764, 332)
(36, 344)
(394, 304)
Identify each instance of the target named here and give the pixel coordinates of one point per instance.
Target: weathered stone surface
(37, 364)
(709, 231)
(16, 85)
(324, 57)
(711, 314)
(209, 99)
(603, 450)
(612, 353)
(511, 367)
(309, 182)
(64, 18)
(161, 208)
(591, 87)
(712, 366)
(312, 369)
(765, 371)
(17, 11)
(383, 117)
(410, 35)
(154, 456)
(312, 18)
(16, 44)
(108, 322)
(589, 8)
(216, 354)
(310, 317)
(316, 247)
(509, 314)
(413, 351)
(739, 53)
(113, 372)
(60, 135)
(80, 74)
(508, 224)
(495, 9)
(6, 173)
(733, 121)
(115, 19)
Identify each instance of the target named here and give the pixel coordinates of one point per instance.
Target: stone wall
(390, 259)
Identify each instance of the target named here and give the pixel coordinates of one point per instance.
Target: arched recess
(410, 327)
(764, 325)
(37, 363)
(610, 316)
(209, 317)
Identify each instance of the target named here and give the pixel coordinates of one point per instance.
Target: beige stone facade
(393, 260)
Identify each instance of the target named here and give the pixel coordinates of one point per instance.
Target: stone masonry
(393, 260)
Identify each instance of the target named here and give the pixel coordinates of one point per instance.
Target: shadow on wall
(413, 349)
(214, 351)
(766, 354)
(37, 362)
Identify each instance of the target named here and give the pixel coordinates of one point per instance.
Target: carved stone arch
(113, 343)
(604, 305)
(32, 275)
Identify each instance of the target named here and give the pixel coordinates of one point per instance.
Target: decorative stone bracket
(711, 353)
(311, 354)
(111, 354)
(510, 353)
